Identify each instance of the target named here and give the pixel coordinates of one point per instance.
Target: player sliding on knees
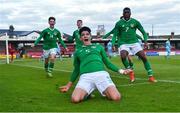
(89, 63)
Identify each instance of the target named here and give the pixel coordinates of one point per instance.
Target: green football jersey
(76, 36)
(125, 31)
(114, 38)
(89, 59)
(50, 37)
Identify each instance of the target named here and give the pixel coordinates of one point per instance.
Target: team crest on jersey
(55, 33)
(132, 25)
(87, 51)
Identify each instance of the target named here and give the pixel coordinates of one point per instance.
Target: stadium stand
(156, 43)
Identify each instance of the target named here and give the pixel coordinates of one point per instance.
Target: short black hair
(85, 29)
(126, 9)
(53, 18)
(79, 20)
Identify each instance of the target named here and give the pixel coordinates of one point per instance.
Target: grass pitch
(25, 88)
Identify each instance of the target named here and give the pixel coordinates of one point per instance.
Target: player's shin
(51, 66)
(131, 65)
(148, 68)
(126, 63)
(46, 66)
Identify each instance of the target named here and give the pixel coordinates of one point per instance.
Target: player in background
(76, 35)
(89, 63)
(50, 36)
(168, 48)
(113, 48)
(130, 53)
(109, 49)
(125, 32)
(11, 50)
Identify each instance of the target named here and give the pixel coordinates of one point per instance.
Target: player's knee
(116, 97)
(75, 99)
(123, 57)
(143, 58)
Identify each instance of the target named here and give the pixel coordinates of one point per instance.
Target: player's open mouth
(86, 39)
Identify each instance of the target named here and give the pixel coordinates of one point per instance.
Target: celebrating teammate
(50, 36)
(125, 30)
(76, 35)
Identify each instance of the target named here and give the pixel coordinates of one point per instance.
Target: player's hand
(125, 71)
(64, 89)
(32, 45)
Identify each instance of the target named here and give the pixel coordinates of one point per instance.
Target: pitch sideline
(167, 81)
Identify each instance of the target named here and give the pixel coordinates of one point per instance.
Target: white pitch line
(121, 76)
(132, 84)
(39, 67)
(169, 81)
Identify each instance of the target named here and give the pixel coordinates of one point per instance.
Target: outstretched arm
(74, 76)
(145, 36)
(38, 39)
(60, 40)
(139, 37)
(111, 66)
(108, 34)
(141, 29)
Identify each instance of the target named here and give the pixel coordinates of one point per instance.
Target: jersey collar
(127, 20)
(51, 29)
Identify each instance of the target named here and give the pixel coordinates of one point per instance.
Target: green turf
(24, 87)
